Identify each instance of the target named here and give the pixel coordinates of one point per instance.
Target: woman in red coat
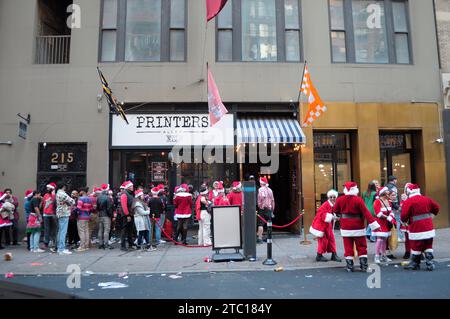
(322, 228)
(384, 214)
(183, 211)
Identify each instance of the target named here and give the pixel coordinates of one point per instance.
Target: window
(143, 30)
(259, 30)
(369, 31)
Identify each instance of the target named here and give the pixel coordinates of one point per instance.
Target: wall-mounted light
(439, 140)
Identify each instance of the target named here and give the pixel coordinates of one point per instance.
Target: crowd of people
(136, 218)
(383, 210)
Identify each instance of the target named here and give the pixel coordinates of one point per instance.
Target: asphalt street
(321, 283)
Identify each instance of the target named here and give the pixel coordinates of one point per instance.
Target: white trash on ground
(112, 285)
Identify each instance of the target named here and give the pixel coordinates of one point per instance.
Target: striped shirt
(265, 198)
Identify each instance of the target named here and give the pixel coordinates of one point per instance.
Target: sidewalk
(168, 258)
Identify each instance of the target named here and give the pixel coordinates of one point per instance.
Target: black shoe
(349, 266)
(363, 264)
(101, 247)
(335, 257)
(407, 255)
(321, 258)
(259, 241)
(422, 257)
(390, 256)
(16, 244)
(123, 248)
(414, 264)
(429, 261)
(1, 247)
(110, 247)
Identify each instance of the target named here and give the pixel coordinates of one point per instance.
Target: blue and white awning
(273, 129)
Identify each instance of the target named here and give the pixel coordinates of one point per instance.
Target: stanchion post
(269, 261)
(305, 241)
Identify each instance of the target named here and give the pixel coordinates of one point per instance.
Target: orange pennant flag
(316, 106)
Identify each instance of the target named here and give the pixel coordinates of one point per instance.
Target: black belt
(421, 217)
(351, 216)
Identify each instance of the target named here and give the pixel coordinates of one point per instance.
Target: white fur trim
(374, 225)
(385, 210)
(50, 186)
(316, 232)
(423, 235)
(127, 185)
(182, 215)
(353, 233)
(381, 234)
(415, 252)
(349, 257)
(414, 194)
(380, 214)
(332, 192)
(328, 218)
(429, 250)
(390, 218)
(363, 256)
(3, 196)
(184, 194)
(331, 204)
(352, 191)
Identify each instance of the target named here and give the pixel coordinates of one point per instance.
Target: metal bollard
(269, 261)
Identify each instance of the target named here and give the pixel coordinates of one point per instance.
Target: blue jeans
(34, 240)
(369, 233)
(143, 234)
(155, 229)
(400, 234)
(63, 222)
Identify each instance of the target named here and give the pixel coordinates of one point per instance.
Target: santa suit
(353, 213)
(235, 198)
(418, 212)
(322, 227)
(221, 200)
(380, 211)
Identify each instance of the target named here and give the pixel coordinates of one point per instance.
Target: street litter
(262, 288)
(278, 269)
(148, 276)
(9, 275)
(89, 272)
(126, 277)
(8, 256)
(396, 266)
(207, 259)
(37, 264)
(404, 263)
(122, 274)
(92, 289)
(308, 276)
(175, 277)
(163, 275)
(112, 285)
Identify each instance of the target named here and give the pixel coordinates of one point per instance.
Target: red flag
(215, 105)
(213, 8)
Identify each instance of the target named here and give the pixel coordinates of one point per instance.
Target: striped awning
(273, 129)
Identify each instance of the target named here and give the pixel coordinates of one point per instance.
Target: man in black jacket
(105, 213)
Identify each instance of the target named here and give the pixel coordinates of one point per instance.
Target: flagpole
(305, 241)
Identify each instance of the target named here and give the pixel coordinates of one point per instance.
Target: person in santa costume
(418, 212)
(235, 197)
(385, 217)
(353, 213)
(183, 211)
(50, 222)
(214, 192)
(322, 228)
(404, 226)
(203, 217)
(221, 199)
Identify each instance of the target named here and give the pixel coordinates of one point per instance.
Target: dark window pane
(402, 48)
(225, 45)
(370, 31)
(225, 17)
(399, 12)
(338, 47)
(291, 19)
(177, 13)
(109, 14)
(177, 45)
(259, 30)
(108, 46)
(143, 30)
(337, 14)
(292, 46)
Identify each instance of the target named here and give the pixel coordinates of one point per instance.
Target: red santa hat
(138, 193)
(217, 183)
(183, 188)
(97, 190)
(263, 181)
(105, 187)
(177, 189)
(2, 195)
(236, 185)
(412, 189)
(382, 191)
(127, 185)
(220, 188)
(351, 188)
(29, 193)
(51, 185)
(155, 190)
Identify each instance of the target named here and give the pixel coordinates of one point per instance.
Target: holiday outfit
(50, 222)
(322, 228)
(235, 197)
(418, 212)
(183, 211)
(385, 217)
(34, 229)
(126, 202)
(266, 203)
(353, 213)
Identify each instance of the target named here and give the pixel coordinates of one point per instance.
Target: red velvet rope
(284, 226)
(176, 242)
